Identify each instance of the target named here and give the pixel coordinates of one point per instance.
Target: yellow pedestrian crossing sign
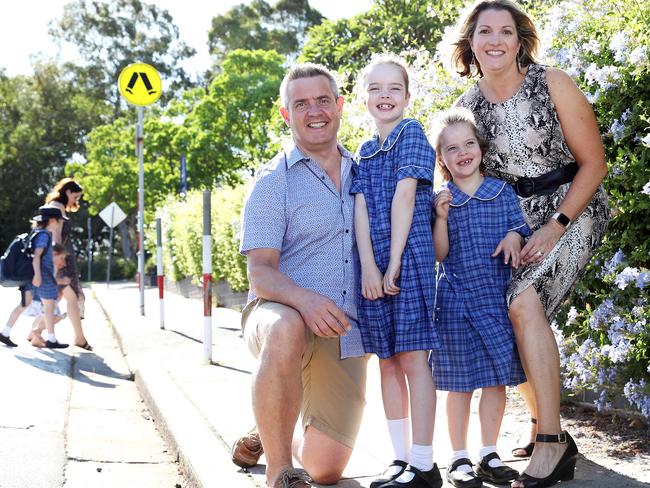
(140, 84)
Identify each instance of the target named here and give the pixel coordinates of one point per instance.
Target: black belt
(546, 183)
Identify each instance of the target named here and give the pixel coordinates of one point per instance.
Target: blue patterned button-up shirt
(294, 207)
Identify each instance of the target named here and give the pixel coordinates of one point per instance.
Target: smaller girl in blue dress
(478, 233)
(393, 210)
(48, 222)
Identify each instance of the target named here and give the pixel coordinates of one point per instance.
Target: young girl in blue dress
(393, 211)
(478, 233)
(48, 223)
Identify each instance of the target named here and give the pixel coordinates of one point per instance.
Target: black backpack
(16, 263)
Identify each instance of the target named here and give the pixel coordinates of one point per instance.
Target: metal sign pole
(140, 151)
(161, 273)
(207, 279)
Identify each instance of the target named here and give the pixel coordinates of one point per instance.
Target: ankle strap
(533, 420)
(490, 457)
(562, 437)
(459, 462)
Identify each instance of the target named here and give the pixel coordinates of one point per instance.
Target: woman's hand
(510, 246)
(443, 198)
(371, 282)
(391, 275)
(541, 242)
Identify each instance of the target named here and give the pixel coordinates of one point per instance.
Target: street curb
(203, 457)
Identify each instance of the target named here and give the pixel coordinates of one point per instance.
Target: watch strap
(562, 219)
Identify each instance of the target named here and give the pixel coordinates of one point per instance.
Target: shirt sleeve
(263, 223)
(516, 220)
(415, 156)
(360, 181)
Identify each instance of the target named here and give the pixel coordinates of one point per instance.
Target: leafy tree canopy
(259, 25)
(110, 35)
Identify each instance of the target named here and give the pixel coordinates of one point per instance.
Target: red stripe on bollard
(207, 295)
(161, 287)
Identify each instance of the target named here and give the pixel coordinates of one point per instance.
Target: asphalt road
(71, 418)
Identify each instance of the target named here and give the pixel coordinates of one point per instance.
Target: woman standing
(66, 195)
(544, 140)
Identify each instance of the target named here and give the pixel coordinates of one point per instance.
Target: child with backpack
(49, 221)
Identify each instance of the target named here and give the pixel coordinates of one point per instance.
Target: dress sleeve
(360, 179)
(415, 156)
(41, 239)
(516, 220)
(263, 222)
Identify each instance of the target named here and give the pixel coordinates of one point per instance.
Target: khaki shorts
(333, 388)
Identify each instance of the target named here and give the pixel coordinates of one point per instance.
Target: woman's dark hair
(462, 56)
(58, 193)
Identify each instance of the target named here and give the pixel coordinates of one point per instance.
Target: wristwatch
(562, 219)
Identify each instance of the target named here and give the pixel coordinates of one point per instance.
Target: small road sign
(140, 84)
(113, 215)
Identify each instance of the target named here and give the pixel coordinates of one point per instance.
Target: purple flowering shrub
(604, 328)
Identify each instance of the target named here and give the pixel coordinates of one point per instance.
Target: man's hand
(510, 245)
(371, 282)
(322, 315)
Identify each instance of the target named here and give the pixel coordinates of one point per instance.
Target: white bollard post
(161, 273)
(207, 279)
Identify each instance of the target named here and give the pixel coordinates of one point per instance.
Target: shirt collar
(294, 155)
(372, 146)
(489, 190)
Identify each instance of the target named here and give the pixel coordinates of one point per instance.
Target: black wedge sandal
(528, 449)
(565, 467)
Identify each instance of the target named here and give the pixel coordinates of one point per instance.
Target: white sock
(51, 337)
(456, 455)
(6, 331)
(422, 457)
(485, 450)
(400, 435)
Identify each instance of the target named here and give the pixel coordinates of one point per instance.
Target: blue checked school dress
(477, 346)
(48, 288)
(403, 322)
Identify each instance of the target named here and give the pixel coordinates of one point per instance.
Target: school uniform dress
(476, 337)
(48, 288)
(403, 322)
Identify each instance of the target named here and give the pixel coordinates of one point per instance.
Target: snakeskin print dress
(525, 139)
(70, 268)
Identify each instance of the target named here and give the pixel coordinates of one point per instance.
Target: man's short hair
(306, 70)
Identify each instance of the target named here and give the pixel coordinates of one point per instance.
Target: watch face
(562, 219)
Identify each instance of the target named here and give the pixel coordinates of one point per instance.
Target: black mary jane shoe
(421, 479)
(565, 467)
(460, 479)
(388, 478)
(528, 448)
(499, 475)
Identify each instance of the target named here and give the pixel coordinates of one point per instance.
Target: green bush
(121, 269)
(182, 222)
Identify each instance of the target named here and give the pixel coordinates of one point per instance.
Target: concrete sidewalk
(201, 409)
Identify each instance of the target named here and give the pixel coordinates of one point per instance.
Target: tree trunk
(125, 239)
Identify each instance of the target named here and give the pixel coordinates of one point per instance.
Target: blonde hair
(384, 59)
(462, 56)
(454, 116)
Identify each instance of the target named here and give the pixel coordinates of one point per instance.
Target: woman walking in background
(66, 195)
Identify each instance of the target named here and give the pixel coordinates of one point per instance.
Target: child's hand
(36, 281)
(510, 245)
(371, 284)
(443, 198)
(391, 275)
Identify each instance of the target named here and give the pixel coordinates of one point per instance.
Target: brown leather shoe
(293, 478)
(247, 450)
